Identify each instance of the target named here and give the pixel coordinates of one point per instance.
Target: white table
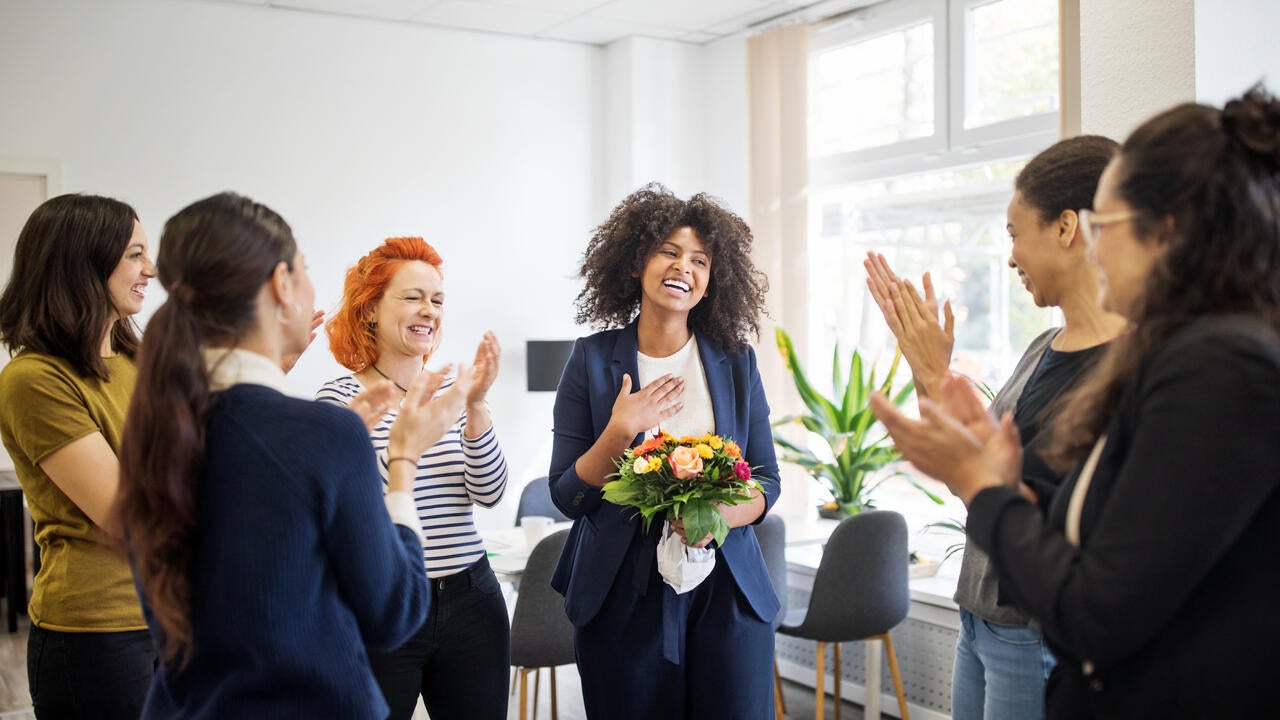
(509, 553)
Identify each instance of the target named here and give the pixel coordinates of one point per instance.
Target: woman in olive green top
(80, 272)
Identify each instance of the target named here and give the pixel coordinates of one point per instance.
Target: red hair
(351, 335)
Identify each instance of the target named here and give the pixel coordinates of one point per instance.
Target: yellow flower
(715, 442)
(704, 451)
(655, 463)
(689, 440)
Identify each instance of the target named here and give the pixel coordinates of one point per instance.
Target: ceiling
(595, 22)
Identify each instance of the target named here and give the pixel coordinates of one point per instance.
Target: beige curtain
(778, 167)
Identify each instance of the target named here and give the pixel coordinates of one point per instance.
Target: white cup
(535, 528)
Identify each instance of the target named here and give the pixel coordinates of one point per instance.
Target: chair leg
(897, 677)
(836, 682)
(515, 673)
(537, 680)
(554, 712)
(524, 693)
(819, 712)
(779, 703)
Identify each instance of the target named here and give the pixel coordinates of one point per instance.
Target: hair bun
(1253, 122)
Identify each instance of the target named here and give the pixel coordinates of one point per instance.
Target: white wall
(1137, 57)
(1235, 47)
(354, 130)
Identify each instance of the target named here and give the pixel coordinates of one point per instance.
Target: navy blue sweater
(296, 567)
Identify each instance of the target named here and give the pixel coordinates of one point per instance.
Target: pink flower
(685, 462)
(742, 470)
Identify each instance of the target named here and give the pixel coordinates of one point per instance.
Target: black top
(1168, 607)
(1056, 372)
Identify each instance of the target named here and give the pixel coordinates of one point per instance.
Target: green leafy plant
(855, 446)
(949, 525)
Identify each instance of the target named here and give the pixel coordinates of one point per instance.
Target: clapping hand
(373, 402)
(955, 440)
(486, 369)
(926, 343)
(289, 360)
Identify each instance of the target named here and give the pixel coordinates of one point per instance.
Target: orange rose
(685, 462)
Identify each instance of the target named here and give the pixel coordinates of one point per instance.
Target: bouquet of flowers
(685, 478)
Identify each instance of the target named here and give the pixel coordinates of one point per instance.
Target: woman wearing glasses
(1154, 574)
(1001, 662)
(388, 324)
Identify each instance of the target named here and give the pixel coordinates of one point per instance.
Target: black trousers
(459, 659)
(89, 675)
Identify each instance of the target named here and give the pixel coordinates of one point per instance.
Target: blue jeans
(999, 671)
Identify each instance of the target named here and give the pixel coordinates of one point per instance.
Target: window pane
(1012, 60)
(874, 92)
(950, 223)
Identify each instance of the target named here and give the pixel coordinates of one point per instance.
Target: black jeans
(89, 675)
(459, 659)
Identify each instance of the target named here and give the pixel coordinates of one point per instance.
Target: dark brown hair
(1205, 184)
(730, 313)
(215, 256)
(57, 301)
(1065, 175)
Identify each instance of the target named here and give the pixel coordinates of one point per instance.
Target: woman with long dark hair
(1001, 660)
(389, 323)
(672, 283)
(1153, 575)
(255, 521)
(80, 273)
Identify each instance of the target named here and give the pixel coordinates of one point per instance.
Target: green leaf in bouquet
(620, 492)
(700, 518)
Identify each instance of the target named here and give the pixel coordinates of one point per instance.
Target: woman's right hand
(647, 408)
(925, 342)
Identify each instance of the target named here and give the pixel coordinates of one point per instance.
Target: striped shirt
(452, 475)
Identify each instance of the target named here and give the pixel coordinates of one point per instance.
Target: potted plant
(851, 447)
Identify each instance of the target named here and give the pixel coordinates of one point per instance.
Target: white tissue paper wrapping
(682, 567)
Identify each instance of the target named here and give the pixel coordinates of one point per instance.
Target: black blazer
(602, 532)
(1169, 606)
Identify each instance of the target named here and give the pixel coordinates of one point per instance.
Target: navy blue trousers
(728, 653)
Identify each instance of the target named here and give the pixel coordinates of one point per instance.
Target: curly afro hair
(614, 259)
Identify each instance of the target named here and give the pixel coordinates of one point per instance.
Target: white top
(452, 476)
(697, 416)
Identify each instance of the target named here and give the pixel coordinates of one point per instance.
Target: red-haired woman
(387, 326)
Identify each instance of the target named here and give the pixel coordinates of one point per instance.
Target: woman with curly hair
(671, 283)
(1153, 576)
(388, 324)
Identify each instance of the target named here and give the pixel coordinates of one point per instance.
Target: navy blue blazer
(603, 533)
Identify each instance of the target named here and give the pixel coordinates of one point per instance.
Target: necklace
(393, 382)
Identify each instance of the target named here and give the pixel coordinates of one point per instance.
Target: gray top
(976, 590)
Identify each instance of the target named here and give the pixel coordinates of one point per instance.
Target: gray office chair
(541, 634)
(535, 499)
(859, 593)
(772, 535)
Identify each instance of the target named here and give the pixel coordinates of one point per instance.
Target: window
(921, 113)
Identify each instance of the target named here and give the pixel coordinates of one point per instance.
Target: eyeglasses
(1091, 223)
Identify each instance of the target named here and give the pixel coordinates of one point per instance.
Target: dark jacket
(1168, 607)
(603, 532)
